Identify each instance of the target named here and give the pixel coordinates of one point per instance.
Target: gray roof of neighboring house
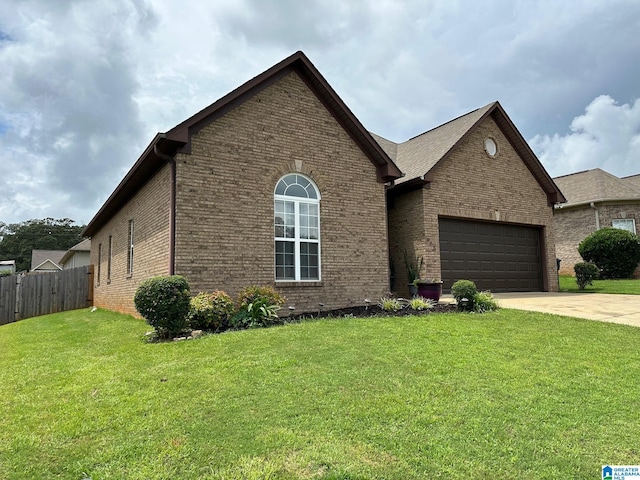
(597, 186)
(38, 257)
(83, 246)
(419, 156)
(633, 180)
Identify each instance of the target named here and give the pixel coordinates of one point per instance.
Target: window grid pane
(285, 260)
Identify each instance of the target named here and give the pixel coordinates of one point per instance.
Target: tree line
(17, 240)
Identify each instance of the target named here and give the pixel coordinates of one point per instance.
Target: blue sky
(86, 84)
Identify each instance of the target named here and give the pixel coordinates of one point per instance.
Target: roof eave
(178, 138)
(138, 175)
(602, 201)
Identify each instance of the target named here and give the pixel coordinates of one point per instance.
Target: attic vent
(491, 147)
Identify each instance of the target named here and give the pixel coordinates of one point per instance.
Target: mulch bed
(370, 311)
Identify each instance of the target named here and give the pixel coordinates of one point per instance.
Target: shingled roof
(419, 156)
(633, 180)
(597, 186)
(39, 257)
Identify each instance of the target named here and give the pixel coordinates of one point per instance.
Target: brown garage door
(496, 256)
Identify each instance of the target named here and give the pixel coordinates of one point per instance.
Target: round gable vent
(491, 147)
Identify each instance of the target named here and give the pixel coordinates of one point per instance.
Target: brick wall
(470, 184)
(149, 210)
(224, 218)
(572, 225)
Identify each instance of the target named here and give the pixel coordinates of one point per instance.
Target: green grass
(629, 287)
(507, 394)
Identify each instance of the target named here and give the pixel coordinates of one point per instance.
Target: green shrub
(615, 252)
(464, 289)
(164, 303)
(484, 302)
(258, 307)
(419, 303)
(211, 311)
(586, 272)
(389, 304)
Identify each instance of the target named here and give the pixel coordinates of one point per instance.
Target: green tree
(17, 240)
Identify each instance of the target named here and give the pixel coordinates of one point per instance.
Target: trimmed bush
(258, 307)
(615, 252)
(164, 303)
(211, 311)
(585, 274)
(464, 289)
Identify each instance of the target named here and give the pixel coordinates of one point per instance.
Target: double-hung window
(297, 229)
(628, 224)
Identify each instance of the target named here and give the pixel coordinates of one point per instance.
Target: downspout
(593, 205)
(172, 208)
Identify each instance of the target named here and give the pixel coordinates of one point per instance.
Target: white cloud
(86, 84)
(607, 136)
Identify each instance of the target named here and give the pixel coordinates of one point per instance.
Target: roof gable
(420, 156)
(596, 185)
(83, 246)
(47, 265)
(299, 63)
(38, 257)
(178, 139)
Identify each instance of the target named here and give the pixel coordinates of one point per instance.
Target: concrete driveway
(623, 309)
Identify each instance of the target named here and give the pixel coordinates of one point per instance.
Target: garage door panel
(497, 257)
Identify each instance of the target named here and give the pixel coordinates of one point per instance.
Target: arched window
(297, 228)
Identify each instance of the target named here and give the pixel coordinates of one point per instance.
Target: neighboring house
(595, 199)
(8, 266)
(77, 256)
(476, 203)
(278, 183)
(46, 260)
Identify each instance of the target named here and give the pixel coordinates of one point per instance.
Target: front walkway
(623, 309)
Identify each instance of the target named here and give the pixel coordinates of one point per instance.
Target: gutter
(593, 205)
(172, 207)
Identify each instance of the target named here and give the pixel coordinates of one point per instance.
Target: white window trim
(632, 220)
(296, 240)
(130, 248)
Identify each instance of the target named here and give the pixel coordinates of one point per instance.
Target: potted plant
(429, 288)
(414, 267)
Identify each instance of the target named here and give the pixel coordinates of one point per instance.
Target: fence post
(18, 296)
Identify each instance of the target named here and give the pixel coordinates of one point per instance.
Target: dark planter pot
(413, 290)
(432, 291)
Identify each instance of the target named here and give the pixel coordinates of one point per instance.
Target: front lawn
(629, 287)
(508, 394)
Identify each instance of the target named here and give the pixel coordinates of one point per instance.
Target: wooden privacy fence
(30, 295)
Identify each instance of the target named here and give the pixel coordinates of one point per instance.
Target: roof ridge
(450, 121)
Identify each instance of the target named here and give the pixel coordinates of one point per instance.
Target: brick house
(595, 199)
(475, 203)
(277, 183)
